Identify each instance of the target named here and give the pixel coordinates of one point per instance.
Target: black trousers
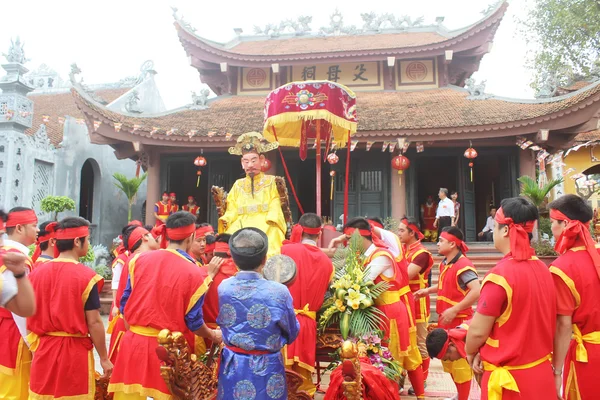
(442, 223)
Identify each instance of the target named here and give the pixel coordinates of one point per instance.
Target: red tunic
(313, 274)
(396, 305)
(41, 260)
(117, 328)
(429, 212)
(63, 362)
(423, 304)
(12, 341)
(523, 333)
(165, 287)
(121, 259)
(163, 210)
(174, 208)
(450, 293)
(193, 209)
(575, 275)
(210, 309)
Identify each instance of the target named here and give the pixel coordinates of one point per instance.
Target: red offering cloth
(522, 335)
(210, 309)
(313, 274)
(165, 287)
(450, 293)
(423, 304)
(375, 385)
(578, 286)
(63, 362)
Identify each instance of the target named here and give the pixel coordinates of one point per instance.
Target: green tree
(129, 187)
(565, 36)
(536, 194)
(57, 204)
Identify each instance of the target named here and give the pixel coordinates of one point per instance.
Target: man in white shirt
(445, 211)
(487, 233)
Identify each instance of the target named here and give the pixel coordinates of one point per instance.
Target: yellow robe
(263, 211)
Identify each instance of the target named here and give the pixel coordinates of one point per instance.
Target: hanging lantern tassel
(137, 168)
(332, 174)
(199, 173)
(471, 166)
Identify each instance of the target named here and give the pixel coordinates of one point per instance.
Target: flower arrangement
(370, 345)
(353, 294)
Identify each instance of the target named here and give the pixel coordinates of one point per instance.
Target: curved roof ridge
(548, 99)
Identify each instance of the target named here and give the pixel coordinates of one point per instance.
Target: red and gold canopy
(294, 109)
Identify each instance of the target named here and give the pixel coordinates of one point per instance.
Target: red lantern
(333, 158)
(199, 162)
(471, 154)
(266, 165)
(400, 163)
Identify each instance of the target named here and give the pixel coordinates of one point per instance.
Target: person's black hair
(310, 220)
(359, 223)
(453, 192)
(411, 221)
(520, 210)
(202, 224)
(221, 238)
(42, 232)
(3, 216)
(125, 233)
(574, 207)
(178, 220)
(11, 230)
(210, 239)
(436, 339)
(453, 230)
(148, 228)
(69, 222)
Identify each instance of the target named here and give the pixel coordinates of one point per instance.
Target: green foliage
(545, 226)
(89, 257)
(104, 271)
(31, 249)
(130, 187)
(565, 36)
(544, 248)
(531, 190)
(391, 224)
(57, 204)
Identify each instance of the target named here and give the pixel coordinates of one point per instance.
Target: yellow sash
(391, 296)
(592, 338)
(501, 378)
(144, 330)
(113, 323)
(34, 340)
(306, 312)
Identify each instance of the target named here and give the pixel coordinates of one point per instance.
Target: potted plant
(56, 205)
(130, 187)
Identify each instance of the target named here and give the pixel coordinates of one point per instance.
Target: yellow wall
(581, 160)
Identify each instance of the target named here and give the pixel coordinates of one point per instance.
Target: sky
(110, 39)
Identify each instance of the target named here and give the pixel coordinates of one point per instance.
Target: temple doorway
(86, 191)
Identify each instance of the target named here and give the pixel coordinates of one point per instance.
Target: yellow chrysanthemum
(354, 298)
(356, 287)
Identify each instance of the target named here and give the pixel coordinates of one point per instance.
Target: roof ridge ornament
(75, 70)
(476, 90)
(200, 101)
(549, 85)
(179, 18)
(16, 52)
(374, 22)
(492, 7)
(300, 27)
(336, 26)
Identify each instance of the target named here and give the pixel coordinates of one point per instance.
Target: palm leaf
(531, 189)
(128, 186)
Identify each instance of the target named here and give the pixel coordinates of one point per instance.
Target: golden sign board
(354, 75)
(256, 80)
(417, 73)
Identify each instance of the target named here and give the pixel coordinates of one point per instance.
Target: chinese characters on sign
(359, 74)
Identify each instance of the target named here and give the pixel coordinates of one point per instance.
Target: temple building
(413, 82)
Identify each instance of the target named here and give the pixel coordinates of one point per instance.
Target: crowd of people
(535, 332)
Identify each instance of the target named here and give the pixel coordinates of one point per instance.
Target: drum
(280, 269)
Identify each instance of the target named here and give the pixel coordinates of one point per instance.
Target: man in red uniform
(428, 211)
(419, 262)
(165, 290)
(457, 291)
(576, 275)
(227, 270)
(173, 202)
(198, 249)
(162, 209)
(510, 337)
(313, 274)
(136, 240)
(397, 303)
(15, 357)
(67, 324)
(44, 246)
(191, 206)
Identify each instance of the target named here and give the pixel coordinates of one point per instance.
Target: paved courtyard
(439, 385)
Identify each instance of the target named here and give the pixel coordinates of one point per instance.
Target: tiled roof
(436, 111)
(588, 136)
(61, 105)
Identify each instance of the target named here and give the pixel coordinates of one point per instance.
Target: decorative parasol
(321, 110)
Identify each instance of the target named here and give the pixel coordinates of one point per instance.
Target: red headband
(135, 236)
(180, 233)
(574, 230)
(222, 247)
(457, 338)
(366, 233)
(24, 217)
(204, 230)
(519, 238)
(413, 228)
(2, 226)
(135, 222)
(190, 198)
(165, 193)
(298, 230)
(375, 224)
(42, 239)
(173, 195)
(67, 234)
(462, 246)
(211, 248)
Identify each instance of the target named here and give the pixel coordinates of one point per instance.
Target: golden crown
(252, 141)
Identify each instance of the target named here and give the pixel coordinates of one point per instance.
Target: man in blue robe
(257, 319)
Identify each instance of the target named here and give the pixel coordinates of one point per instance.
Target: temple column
(152, 187)
(398, 196)
(526, 163)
